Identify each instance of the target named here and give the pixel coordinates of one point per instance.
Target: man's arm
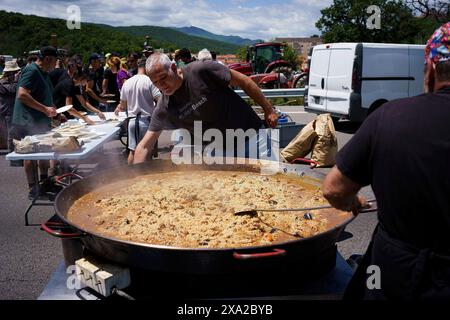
(105, 86)
(121, 107)
(145, 147)
(253, 91)
(341, 192)
(25, 97)
(90, 107)
(76, 114)
(92, 93)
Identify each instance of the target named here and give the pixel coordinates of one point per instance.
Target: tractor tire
(268, 85)
(300, 82)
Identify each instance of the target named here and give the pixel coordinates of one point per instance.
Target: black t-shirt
(58, 74)
(403, 151)
(204, 96)
(66, 88)
(112, 83)
(97, 77)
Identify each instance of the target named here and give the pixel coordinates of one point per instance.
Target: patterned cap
(437, 49)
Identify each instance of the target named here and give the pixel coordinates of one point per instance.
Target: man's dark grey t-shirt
(204, 96)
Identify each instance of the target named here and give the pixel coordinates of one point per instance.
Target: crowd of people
(30, 95)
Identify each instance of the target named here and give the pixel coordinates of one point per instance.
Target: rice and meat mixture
(196, 209)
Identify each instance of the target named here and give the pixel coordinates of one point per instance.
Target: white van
(350, 80)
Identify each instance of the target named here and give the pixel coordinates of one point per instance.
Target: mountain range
(198, 32)
(21, 33)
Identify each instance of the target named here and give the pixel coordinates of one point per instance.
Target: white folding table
(110, 130)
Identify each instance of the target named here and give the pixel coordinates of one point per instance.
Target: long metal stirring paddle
(254, 212)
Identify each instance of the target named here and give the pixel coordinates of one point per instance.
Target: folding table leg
(27, 224)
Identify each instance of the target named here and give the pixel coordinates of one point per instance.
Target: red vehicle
(265, 65)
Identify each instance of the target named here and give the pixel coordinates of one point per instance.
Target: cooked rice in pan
(196, 209)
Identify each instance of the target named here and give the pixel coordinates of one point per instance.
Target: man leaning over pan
(200, 92)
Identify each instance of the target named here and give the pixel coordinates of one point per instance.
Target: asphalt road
(28, 256)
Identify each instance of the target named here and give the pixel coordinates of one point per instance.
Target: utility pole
(54, 40)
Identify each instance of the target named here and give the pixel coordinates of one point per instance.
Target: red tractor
(265, 65)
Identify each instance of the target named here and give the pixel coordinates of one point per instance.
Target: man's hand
(88, 121)
(62, 118)
(50, 112)
(341, 192)
(360, 203)
(271, 119)
(116, 112)
(145, 147)
(101, 115)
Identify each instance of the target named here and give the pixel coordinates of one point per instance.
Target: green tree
(346, 20)
(291, 56)
(241, 54)
(437, 10)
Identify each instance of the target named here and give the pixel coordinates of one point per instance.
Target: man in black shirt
(200, 92)
(66, 93)
(183, 57)
(94, 85)
(403, 151)
(132, 63)
(56, 75)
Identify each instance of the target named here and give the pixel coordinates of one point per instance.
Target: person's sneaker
(34, 192)
(49, 186)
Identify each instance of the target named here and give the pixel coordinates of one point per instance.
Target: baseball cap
(148, 49)
(48, 51)
(94, 56)
(437, 49)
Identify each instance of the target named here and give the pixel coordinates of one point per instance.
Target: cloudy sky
(255, 19)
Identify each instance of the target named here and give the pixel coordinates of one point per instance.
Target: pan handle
(275, 253)
(303, 160)
(60, 179)
(56, 229)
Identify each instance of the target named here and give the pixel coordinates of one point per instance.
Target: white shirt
(139, 92)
